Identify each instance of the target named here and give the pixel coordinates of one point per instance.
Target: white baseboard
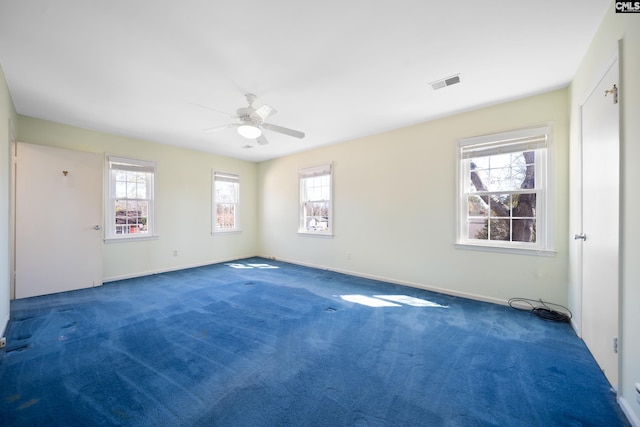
(398, 282)
(175, 268)
(628, 411)
(575, 326)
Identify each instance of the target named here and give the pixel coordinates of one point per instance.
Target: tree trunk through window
(521, 208)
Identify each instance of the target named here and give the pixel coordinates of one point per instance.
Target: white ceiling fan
(252, 122)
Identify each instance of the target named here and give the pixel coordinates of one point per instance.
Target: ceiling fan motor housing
(246, 115)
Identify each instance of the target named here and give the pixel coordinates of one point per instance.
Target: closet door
(600, 222)
(58, 220)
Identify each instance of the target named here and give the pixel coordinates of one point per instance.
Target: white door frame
(13, 144)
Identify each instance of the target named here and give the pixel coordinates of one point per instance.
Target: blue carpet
(265, 343)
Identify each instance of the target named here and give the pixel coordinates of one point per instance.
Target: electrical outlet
(3, 342)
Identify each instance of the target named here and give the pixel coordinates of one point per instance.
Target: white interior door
(58, 220)
(600, 222)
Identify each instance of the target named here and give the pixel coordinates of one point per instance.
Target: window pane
(325, 193)
(140, 177)
(478, 206)
(524, 230)
(141, 190)
(132, 211)
(518, 160)
(478, 228)
(500, 160)
(121, 216)
(314, 194)
(524, 205)
(132, 190)
(479, 179)
(121, 189)
(500, 205)
(500, 179)
(500, 229)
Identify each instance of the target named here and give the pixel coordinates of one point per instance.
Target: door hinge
(615, 345)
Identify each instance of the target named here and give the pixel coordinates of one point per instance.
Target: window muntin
(130, 206)
(315, 200)
(226, 202)
(503, 192)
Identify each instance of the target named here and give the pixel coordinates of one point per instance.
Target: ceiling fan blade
(263, 112)
(262, 140)
(217, 128)
(286, 131)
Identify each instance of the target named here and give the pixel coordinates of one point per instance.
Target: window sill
(506, 249)
(224, 232)
(326, 235)
(129, 239)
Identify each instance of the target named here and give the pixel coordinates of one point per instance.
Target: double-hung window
(226, 202)
(505, 192)
(130, 205)
(315, 200)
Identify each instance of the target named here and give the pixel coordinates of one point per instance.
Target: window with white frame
(226, 202)
(505, 190)
(130, 205)
(315, 200)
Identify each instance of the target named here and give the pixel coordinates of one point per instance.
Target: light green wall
(7, 121)
(625, 27)
(183, 201)
(395, 201)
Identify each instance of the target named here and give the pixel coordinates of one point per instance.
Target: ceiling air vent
(439, 84)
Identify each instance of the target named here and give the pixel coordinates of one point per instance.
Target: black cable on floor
(542, 309)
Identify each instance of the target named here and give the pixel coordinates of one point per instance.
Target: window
(315, 200)
(130, 206)
(504, 190)
(226, 201)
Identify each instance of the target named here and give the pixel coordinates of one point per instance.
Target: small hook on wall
(65, 173)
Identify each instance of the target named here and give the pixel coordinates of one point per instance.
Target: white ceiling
(335, 69)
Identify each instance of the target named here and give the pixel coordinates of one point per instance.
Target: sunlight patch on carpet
(407, 300)
(369, 301)
(249, 266)
(390, 301)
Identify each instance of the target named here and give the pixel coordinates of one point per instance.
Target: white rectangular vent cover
(439, 84)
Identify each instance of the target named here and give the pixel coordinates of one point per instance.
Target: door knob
(580, 236)
(97, 227)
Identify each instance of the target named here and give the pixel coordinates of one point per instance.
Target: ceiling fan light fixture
(249, 131)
